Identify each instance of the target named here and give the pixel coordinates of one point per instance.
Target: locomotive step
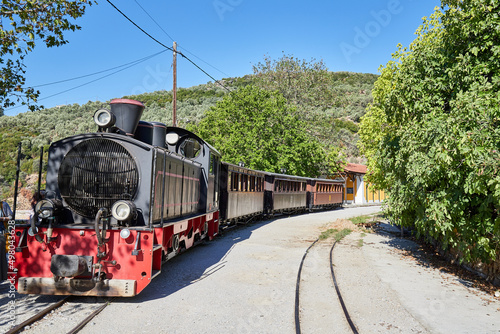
(155, 273)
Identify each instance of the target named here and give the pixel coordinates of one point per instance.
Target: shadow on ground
(427, 256)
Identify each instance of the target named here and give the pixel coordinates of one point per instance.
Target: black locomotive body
(117, 207)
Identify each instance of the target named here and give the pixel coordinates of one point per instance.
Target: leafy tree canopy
(259, 128)
(22, 24)
(432, 134)
(299, 81)
(328, 102)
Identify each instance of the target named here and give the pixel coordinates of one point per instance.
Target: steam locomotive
(122, 201)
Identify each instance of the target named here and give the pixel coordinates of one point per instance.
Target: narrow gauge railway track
(347, 317)
(40, 315)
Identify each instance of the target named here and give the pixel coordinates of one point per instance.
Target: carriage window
(234, 181)
(245, 182)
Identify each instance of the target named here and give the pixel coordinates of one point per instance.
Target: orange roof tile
(355, 168)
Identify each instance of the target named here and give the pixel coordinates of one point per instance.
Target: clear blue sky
(224, 37)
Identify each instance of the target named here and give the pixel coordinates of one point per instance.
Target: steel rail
(297, 290)
(339, 295)
(341, 300)
(91, 316)
(37, 316)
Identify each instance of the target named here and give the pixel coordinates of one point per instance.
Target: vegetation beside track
(432, 134)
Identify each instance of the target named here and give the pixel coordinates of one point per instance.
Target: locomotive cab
(190, 146)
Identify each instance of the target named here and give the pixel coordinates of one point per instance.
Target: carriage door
(214, 177)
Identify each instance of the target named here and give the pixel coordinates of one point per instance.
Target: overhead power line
(192, 54)
(105, 76)
(166, 33)
(167, 47)
(103, 71)
(122, 68)
(159, 26)
(137, 26)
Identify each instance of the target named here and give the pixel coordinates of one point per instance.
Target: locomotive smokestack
(127, 113)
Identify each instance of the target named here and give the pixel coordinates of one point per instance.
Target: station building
(357, 189)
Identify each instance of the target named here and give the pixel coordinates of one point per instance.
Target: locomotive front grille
(95, 174)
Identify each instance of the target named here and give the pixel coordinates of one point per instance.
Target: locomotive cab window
(190, 148)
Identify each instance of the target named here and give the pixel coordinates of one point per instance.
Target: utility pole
(174, 89)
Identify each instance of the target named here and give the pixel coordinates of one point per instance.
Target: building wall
(373, 196)
(358, 191)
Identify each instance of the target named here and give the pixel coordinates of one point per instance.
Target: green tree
(299, 81)
(259, 128)
(22, 24)
(433, 131)
(321, 98)
(375, 127)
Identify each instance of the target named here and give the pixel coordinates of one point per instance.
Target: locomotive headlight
(45, 208)
(104, 118)
(123, 210)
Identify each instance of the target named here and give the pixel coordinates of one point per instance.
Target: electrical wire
(192, 54)
(127, 66)
(137, 26)
(87, 83)
(169, 48)
(166, 33)
(103, 71)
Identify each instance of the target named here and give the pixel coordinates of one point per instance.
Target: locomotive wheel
(175, 243)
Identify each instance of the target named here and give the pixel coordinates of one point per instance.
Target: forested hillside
(333, 118)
